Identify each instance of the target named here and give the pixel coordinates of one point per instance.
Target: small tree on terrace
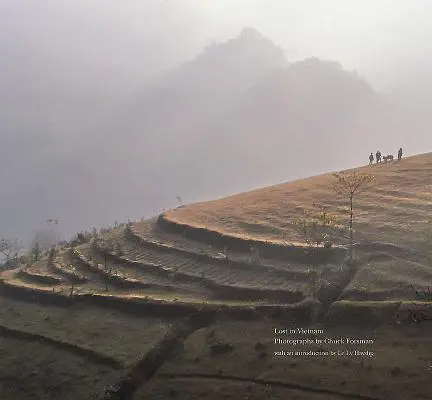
(316, 231)
(36, 251)
(348, 186)
(108, 271)
(325, 224)
(51, 255)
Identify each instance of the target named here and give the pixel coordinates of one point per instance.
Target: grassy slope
(398, 370)
(55, 368)
(36, 369)
(108, 332)
(390, 220)
(394, 210)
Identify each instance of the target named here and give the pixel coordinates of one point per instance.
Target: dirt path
(147, 367)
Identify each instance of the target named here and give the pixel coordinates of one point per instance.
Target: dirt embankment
(32, 294)
(221, 292)
(129, 305)
(143, 306)
(232, 243)
(38, 278)
(72, 348)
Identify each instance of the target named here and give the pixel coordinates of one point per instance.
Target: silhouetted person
(400, 154)
(371, 158)
(378, 156)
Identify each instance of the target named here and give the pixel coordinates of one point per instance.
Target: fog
(76, 144)
(108, 38)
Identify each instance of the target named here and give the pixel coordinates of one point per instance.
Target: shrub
(423, 295)
(221, 348)
(328, 244)
(128, 229)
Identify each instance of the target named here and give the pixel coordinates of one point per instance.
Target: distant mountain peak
(250, 46)
(250, 33)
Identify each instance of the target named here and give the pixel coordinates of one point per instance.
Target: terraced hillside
(393, 224)
(201, 252)
(124, 300)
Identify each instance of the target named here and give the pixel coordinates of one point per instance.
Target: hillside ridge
(185, 215)
(244, 251)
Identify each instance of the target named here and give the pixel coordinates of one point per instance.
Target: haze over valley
(106, 115)
(215, 199)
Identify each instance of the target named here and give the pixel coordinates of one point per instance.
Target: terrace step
(67, 270)
(149, 234)
(217, 277)
(115, 279)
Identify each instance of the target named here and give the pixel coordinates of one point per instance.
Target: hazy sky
(376, 37)
(379, 38)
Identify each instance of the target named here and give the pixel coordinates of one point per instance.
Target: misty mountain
(197, 92)
(304, 118)
(236, 117)
(246, 100)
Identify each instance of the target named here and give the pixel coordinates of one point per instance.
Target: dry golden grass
(397, 206)
(391, 219)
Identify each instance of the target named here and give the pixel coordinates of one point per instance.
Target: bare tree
(51, 255)
(108, 272)
(325, 225)
(317, 231)
(36, 250)
(128, 228)
(348, 186)
(9, 249)
(94, 232)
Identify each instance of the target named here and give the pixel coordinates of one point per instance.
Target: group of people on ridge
(379, 157)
